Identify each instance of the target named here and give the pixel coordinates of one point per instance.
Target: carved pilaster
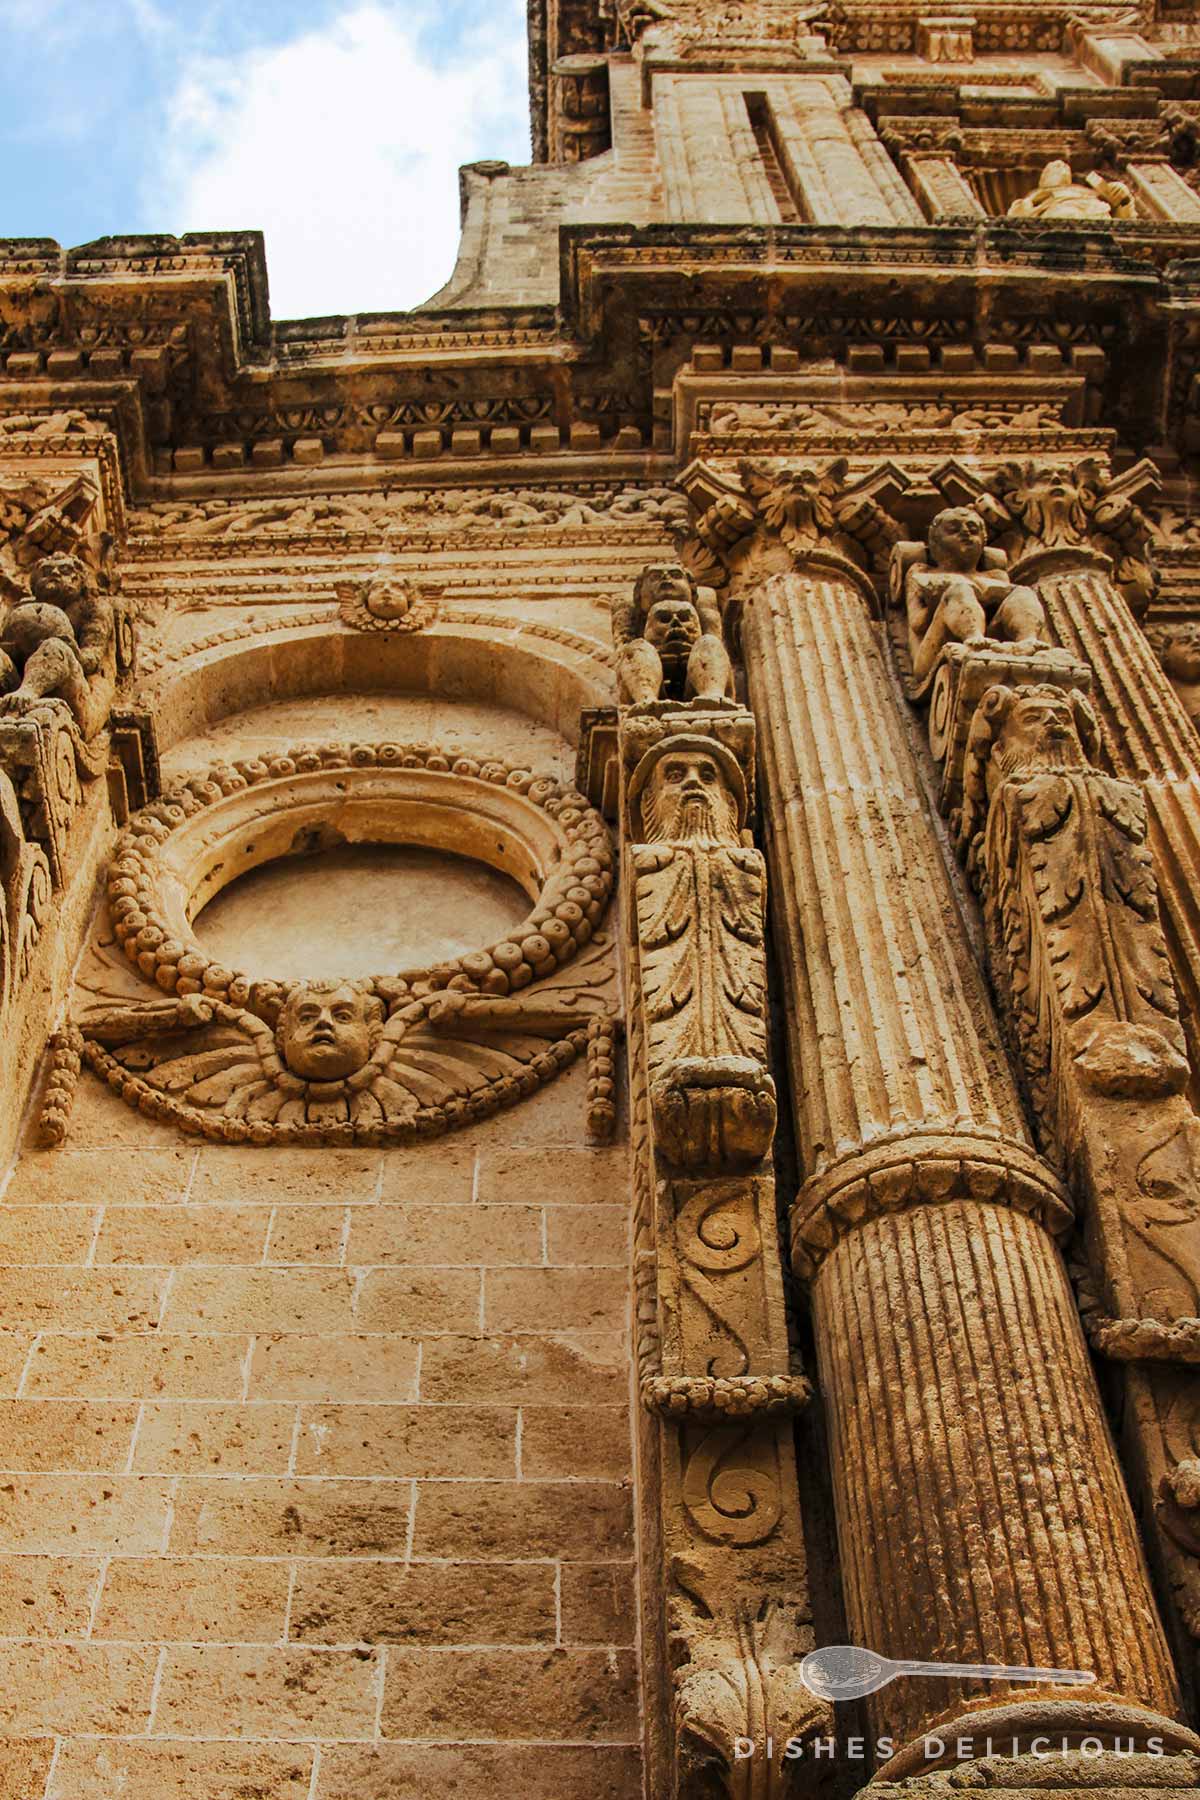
(725, 1542)
(1086, 545)
(66, 651)
(925, 1224)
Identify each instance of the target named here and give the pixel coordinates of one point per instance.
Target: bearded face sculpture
(1042, 730)
(687, 798)
(328, 1033)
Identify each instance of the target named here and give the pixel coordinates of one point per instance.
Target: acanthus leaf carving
(1047, 511)
(1058, 852)
(739, 1680)
(714, 1357)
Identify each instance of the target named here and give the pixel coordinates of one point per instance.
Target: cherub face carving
(327, 1033)
(957, 538)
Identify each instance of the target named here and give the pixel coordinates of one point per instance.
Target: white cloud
(343, 146)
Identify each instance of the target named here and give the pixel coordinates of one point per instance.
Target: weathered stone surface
(497, 734)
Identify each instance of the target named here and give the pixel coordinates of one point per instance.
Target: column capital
(810, 510)
(1056, 513)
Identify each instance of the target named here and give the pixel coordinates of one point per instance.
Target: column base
(1045, 1735)
(1167, 1777)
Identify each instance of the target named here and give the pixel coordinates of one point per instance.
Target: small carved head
(689, 788)
(1039, 728)
(1052, 502)
(389, 599)
(59, 580)
(666, 602)
(328, 1030)
(957, 539)
(1179, 652)
(1056, 174)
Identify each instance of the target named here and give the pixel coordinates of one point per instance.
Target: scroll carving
(713, 1353)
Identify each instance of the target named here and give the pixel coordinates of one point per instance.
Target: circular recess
(177, 854)
(359, 908)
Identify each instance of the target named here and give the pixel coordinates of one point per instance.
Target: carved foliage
(1045, 508)
(1058, 851)
(699, 899)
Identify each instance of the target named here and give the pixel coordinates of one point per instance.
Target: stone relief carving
(957, 590)
(409, 512)
(669, 642)
(1048, 507)
(714, 1360)
(721, 1692)
(61, 644)
(1058, 851)
(399, 1057)
(700, 899)
(39, 516)
(1059, 196)
(755, 419)
(388, 603)
(66, 639)
(1178, 650)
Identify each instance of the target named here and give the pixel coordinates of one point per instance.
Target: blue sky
(335, 126)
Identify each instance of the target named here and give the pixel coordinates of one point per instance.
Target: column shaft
(981, 1513)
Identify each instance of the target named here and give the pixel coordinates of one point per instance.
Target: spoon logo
(848, 1672)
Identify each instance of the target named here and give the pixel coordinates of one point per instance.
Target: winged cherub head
(328, 1030)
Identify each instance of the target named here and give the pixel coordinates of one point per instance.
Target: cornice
(168, 338)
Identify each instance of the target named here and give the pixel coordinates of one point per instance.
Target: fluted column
(1084, 545)
(1147, 738)
(981, 1514)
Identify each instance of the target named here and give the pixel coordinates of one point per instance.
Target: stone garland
(570, 906)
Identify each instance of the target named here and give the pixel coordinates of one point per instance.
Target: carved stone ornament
(715, 1365)
(669, 642)
(956, 590)
(1059, 196)
(1178, 650)
(399, 1056)
(1049, 512)
(700, 898)
(1058, 851)
(388, 603)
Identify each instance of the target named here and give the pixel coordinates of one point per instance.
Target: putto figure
(670, 642)
(1059, 196)
(959, 591)
(60, 644)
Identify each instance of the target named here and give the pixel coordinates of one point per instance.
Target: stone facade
(599, 957)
